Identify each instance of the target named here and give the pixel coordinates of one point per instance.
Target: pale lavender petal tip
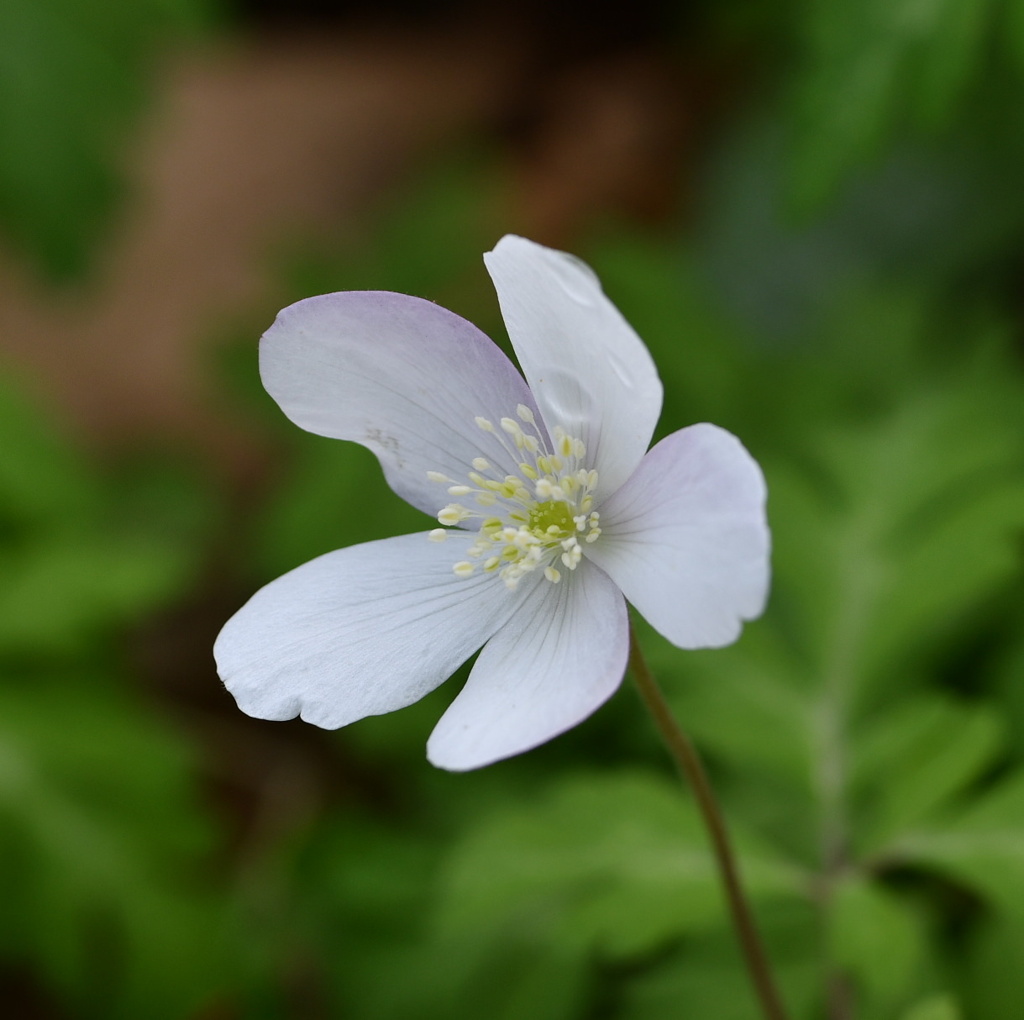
(398, 374)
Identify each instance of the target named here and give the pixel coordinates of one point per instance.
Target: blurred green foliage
(867, 735)
(72, 74)
(871, 69)
(100, 837)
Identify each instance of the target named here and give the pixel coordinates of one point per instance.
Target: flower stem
(688, 761)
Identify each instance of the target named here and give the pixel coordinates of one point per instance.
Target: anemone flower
(554, 513)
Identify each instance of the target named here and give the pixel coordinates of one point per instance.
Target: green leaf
(42, 482)
(844, 98)
(982, 846)
(935, 1007)
(618, 863)
(351, 895)
(870, 65)
(1013, 32)
(1008, 675)
(747, 703)
(706, 977)
(877, 939)
(991, 979)
(357, 899)
(60, 592)
(892, 533)
(909, 761)
(99, 835)
(81, 551)
(886, 540)
(508, 978)
(949, 52)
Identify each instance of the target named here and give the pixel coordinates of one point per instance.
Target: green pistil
(552, 513)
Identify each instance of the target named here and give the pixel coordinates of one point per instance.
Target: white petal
(360, 631)
(686, 537)
(589, 371)
(398, 374)
(558, 659)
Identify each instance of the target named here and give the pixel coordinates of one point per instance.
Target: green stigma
(552, 514)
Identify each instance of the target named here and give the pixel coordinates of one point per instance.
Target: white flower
(555, 512)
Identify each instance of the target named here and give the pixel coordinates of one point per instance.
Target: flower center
(551, 514)
(531, 520)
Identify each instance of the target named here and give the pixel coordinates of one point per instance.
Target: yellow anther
(452, 514)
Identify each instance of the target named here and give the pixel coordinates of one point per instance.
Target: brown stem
(838, 998)
(689, 763)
